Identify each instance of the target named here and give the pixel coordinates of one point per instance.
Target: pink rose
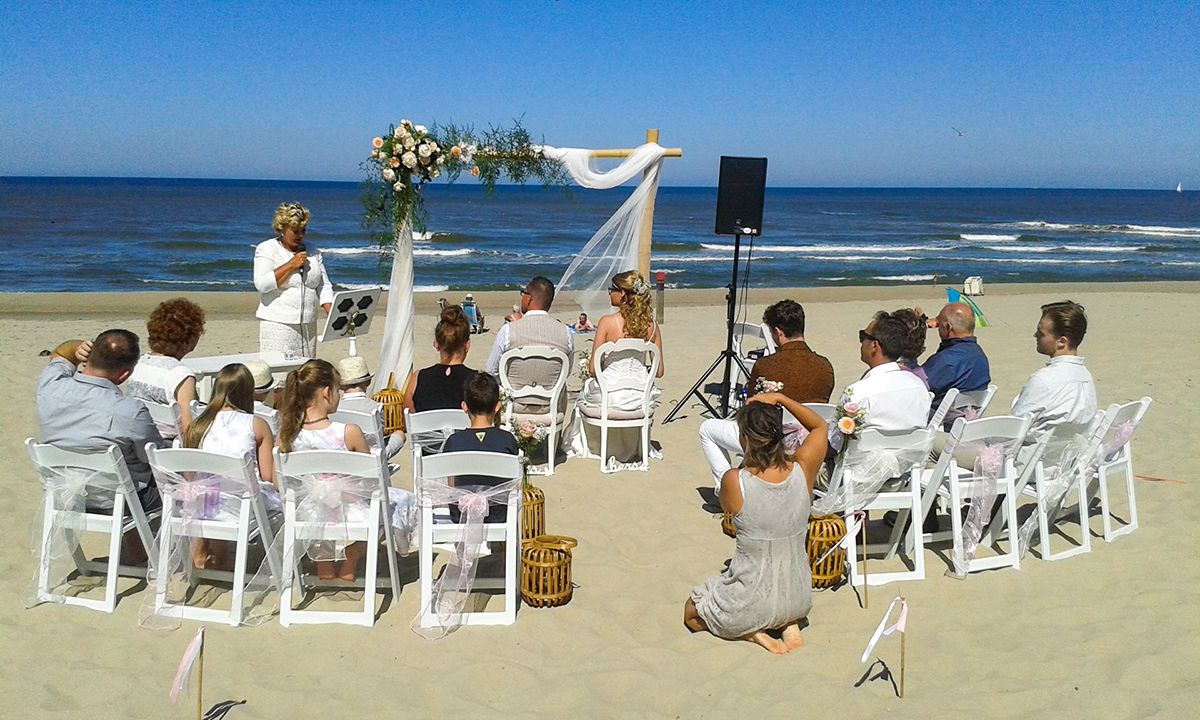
(851, 408)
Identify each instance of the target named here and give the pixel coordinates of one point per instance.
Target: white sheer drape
(614, 247)
(396, 355)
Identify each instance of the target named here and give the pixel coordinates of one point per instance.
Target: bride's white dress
(620, 366)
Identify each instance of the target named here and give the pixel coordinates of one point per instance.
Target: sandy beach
(1108, 634)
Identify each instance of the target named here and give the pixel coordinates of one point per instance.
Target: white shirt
(501, 345)
(289, 304)
(1061, 393)
(358, 402)
(892, 398)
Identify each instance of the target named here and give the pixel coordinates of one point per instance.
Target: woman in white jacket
(292, 283)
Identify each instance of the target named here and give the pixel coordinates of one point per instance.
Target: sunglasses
(525, 292)
(614, 288)
(864, 336)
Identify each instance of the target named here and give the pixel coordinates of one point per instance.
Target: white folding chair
(750, 342)
(604, 418)
(296, 472)
(956, 486)
(370, 423)
(968, 405)
(106, 474)
(554, 396)
(437, 529)
(167, 418)
(902, 493)
(428, 430)
(939, 414)
(241, 521)
(1115, 457)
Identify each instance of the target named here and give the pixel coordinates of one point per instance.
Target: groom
(534, 328)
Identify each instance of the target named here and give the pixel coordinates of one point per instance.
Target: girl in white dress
(228, 426)
(310, 394)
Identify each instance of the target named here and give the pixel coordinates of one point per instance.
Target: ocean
(109, 234)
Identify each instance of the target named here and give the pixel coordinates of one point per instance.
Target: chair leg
(426, 562)
(48, 514)
(646, 445)
(372, 569)
(162, 574)
(239, 565)
(114, 554)
(289, 565)
(1010, 503)
(603, 448)
(551, 446)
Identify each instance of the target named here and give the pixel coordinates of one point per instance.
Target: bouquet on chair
(763, 385)
(584, 356)
(528, 436)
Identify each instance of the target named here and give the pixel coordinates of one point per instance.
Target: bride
(630, 294)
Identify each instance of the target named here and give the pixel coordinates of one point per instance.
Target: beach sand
(1109, 634)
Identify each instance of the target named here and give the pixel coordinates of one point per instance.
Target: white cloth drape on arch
(614, 247)
(396, 355)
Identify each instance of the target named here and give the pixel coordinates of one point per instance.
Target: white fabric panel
(396, 354)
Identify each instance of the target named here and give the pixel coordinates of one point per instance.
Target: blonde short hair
(290, 215)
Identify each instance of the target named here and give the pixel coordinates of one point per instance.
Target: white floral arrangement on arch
(410, 155)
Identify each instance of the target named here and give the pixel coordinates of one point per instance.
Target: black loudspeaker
(740, 190)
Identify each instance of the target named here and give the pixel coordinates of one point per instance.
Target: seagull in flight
(961, 133)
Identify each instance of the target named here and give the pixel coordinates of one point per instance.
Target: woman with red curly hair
(174, 328)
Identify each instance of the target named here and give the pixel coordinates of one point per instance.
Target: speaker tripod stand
(728, 356)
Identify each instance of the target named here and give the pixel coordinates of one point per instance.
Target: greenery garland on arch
(410, 155)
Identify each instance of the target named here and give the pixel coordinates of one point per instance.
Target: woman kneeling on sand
(767, 588)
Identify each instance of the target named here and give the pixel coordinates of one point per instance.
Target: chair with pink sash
(1115, 458)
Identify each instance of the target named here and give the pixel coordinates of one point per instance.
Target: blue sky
(1052, 94)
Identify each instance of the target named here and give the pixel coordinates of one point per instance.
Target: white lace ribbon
(454, 587)
(883, 630)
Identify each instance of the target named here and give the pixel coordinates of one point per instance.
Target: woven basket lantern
(825, 531)
(546, 570)
(533, 512)
(391, 404)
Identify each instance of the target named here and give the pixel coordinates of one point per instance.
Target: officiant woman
(291, 281)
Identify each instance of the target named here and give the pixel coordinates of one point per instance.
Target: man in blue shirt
(959, 361)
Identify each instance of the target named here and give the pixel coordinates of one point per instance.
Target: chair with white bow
(74, 487)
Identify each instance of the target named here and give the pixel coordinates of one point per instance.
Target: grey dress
(768, 584)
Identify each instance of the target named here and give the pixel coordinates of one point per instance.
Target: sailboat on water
(1179, 187)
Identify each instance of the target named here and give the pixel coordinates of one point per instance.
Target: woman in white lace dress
(229, 426)
(310, 394)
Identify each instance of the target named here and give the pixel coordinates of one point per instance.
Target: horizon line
(4, 178)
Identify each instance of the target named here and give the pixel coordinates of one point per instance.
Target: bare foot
(349, 568)
(325, 570)
(201, 557)
(792, 638)
(773, 646)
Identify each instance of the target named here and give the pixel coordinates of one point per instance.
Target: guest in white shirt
(292, 283)
(174, 329)
(264, 393)
(1062, 392)
(893, 398)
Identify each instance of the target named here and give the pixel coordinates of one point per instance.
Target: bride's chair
(605, 417)
(554, 396)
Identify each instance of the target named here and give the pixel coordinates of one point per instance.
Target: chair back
(753, 338)
(371, 423)
(978, 399)
(172, 466)
(1117, 427)
(501, 466)
(911, 448)
(57, 467)
(550, 395)
(939, 414)
(1005, 431)
(648, 355)
(167, 417)
(827, 411)
(363, 472)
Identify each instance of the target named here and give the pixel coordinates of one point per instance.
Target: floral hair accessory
(640, 287)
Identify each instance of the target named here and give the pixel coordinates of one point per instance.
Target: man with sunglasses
(535, 327)
(893, 398)
(1063, 392)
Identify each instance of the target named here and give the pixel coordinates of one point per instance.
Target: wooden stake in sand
(903, 634)
(200, 683)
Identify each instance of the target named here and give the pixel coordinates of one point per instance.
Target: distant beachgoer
(291, 283)
(767, 587)
(310, 393)
(516, 314)
(440, 386)
(160, 376)
(582, 324)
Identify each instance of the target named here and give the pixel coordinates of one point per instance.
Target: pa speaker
(740, 190)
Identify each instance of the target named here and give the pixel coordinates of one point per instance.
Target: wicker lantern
(825, 531)
(546, 570)
(533, 512)
(391, 404)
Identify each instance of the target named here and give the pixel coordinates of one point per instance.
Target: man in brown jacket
(806, 376)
